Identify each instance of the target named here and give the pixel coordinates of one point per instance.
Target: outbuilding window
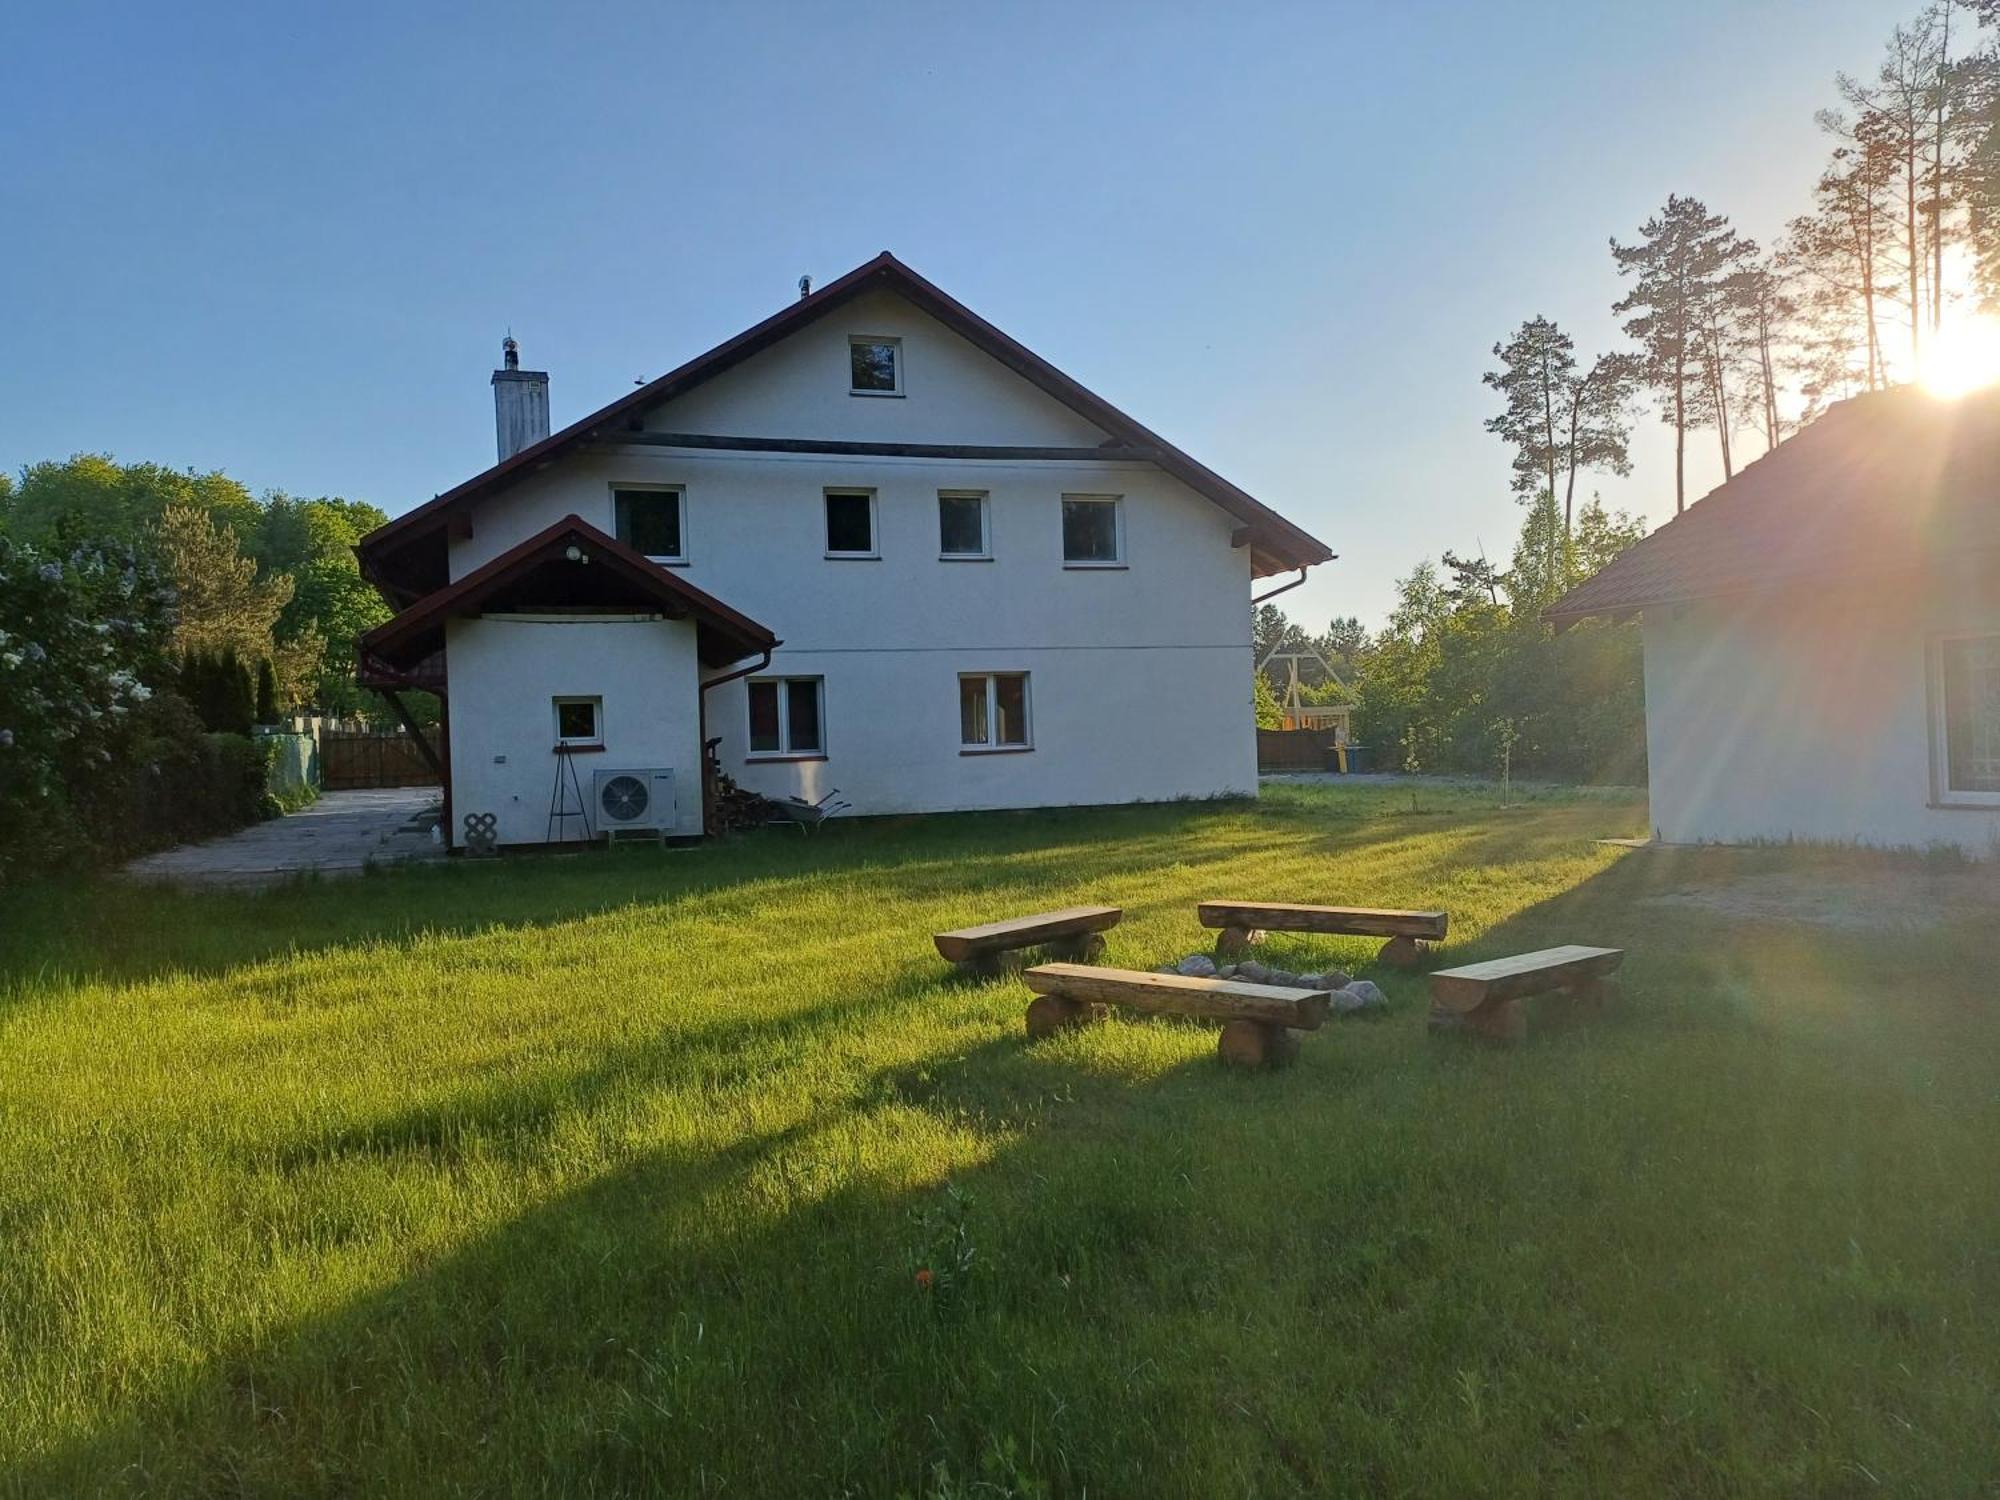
(787, 716)
(1967, 730)
(874, 366)
(993, 711)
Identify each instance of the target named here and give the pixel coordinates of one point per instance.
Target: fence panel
(347, 761)
(1295, 750)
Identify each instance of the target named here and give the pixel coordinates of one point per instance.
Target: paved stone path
(337, 835)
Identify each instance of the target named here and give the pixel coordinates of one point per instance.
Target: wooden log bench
(1074, 932)
(1487, 999)
(1260, 1021)
(1243, 922)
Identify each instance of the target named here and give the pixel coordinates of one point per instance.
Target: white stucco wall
(1140, 676)
(1807, 717)
(505, 674)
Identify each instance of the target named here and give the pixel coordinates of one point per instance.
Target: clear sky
(285, 239)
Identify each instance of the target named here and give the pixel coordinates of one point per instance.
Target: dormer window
(874, 366)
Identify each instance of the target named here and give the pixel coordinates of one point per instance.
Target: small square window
(1090, 530)
(649, 521)
(579, 721)
(962, 524)
(787, 716)
(993, 711)
(875, 366)
(850, 523)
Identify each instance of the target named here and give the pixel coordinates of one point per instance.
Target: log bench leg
(1049, 1014)
(1495, 1021)
(1587, 1001)
(1234, 942)
(994, 965)
(1257, 1044)
(1401, 953)
(1081, 949)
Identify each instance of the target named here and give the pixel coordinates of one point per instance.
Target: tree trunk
(1937, 171)
(1910, 242)
(1770, 381)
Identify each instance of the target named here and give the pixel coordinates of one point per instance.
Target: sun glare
(1964, 357)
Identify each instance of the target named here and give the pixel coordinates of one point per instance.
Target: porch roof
(572, 567)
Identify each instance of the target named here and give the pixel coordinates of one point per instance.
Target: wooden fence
(389, 758)
(1295, 750)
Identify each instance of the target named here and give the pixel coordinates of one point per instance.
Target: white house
(1822, 635)
(871, 544)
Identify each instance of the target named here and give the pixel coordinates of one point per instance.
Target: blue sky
(285, 240)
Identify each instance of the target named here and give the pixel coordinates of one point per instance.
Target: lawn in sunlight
(614, 1175)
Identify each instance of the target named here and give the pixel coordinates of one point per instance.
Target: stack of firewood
(734, 809)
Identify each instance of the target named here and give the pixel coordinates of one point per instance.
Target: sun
(1963, 357)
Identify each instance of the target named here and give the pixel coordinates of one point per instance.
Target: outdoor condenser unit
(623, 800)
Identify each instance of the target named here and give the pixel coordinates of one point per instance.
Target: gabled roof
(1276, 544)
(541, 573)
(1893, 480)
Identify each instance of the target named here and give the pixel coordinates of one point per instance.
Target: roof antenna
(510, 351)
(805, 287)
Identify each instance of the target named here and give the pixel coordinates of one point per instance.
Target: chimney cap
(510, 352)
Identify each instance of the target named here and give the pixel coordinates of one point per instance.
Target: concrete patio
(340, 834)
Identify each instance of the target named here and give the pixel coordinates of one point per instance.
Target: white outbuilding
(1822, 635)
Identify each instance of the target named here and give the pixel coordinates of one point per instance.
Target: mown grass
(612, 1175)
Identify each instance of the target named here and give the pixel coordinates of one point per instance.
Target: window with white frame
(787, 716)
(579, 721)
(962, 524)
(647, 518)
(1093, 531)
(850, 523)
(1967, 728)
(874, 365)
(993, 711)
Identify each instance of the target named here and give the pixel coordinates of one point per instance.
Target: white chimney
(520, 403)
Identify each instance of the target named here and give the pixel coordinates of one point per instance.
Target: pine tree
(222, 601)
(1560, 422)
(1684, 256)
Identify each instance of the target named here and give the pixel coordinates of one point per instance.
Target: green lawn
(612, 1175)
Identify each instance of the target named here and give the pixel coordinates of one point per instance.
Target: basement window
(850, 523)
(579, 721)
(874, 366)
(1093, 531)
(993, 711)
(1966, 734)
(647, 518)
(787, 717)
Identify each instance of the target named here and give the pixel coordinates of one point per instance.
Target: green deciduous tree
(92, 498)
(1454, 662)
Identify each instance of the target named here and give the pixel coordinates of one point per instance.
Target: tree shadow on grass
(609, 1339)
(1181, 1281)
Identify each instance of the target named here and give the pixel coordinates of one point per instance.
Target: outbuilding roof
(1893, 480)
(1275, 543)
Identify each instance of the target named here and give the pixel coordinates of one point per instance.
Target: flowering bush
(83, 637)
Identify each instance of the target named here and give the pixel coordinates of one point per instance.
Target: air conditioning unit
(629, 800)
